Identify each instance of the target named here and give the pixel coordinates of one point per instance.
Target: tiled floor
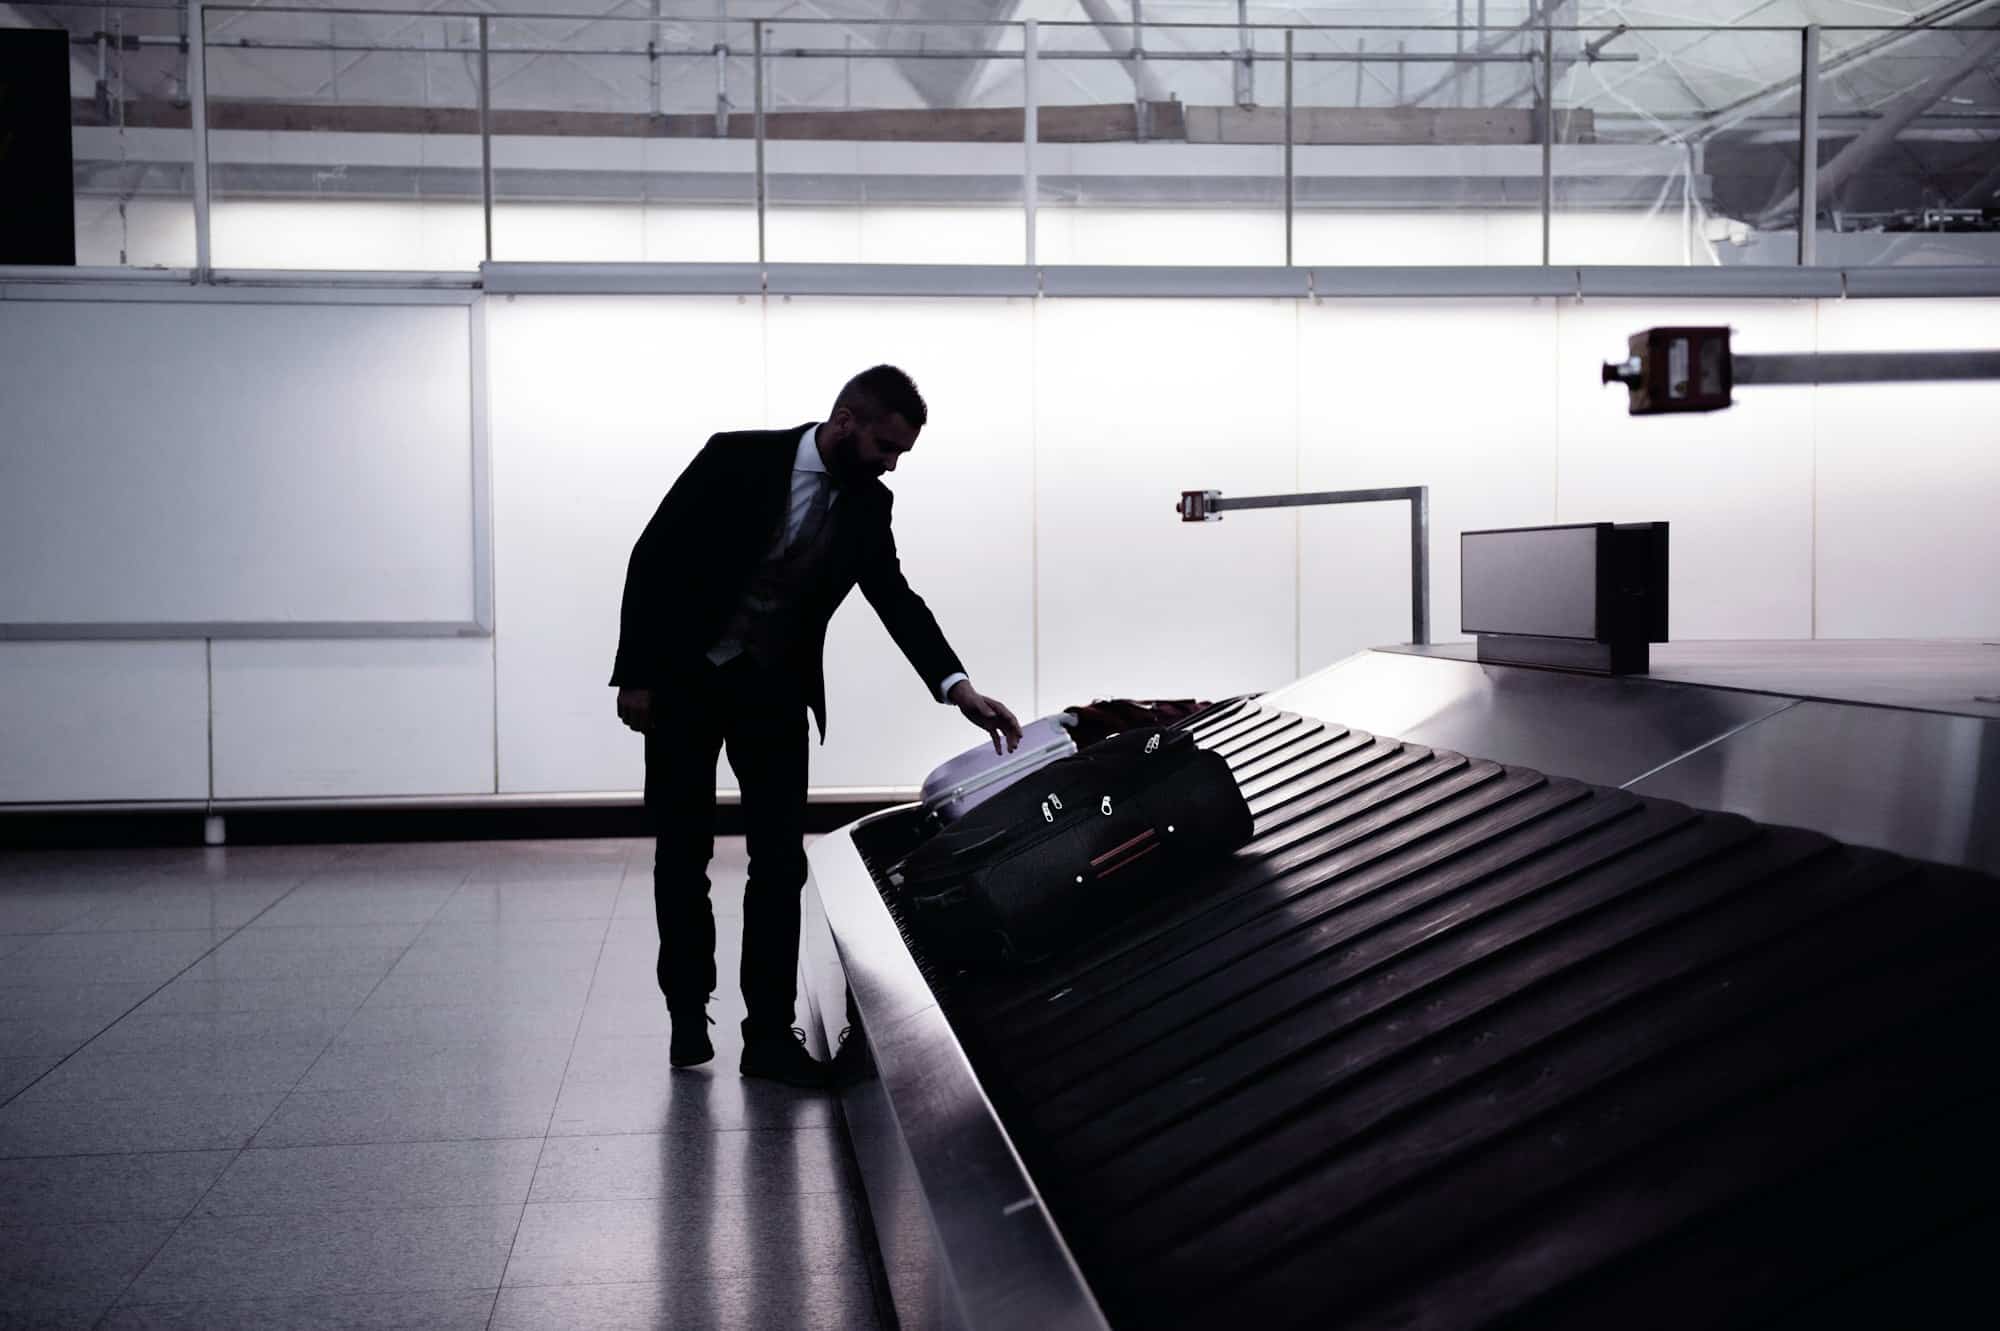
(417, 1086)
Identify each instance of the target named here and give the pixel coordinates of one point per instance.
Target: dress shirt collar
(808, 458)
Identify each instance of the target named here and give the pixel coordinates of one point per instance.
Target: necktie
(818, 504)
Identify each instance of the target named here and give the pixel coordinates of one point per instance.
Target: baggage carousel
(1537, 1000)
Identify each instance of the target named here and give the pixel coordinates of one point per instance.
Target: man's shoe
(777, 1058)
(850, 1063)
(691, 1046)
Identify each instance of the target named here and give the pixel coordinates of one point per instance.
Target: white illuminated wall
(1036, 517)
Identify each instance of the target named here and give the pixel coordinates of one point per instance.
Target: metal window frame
(1137, 281)
(963, 280)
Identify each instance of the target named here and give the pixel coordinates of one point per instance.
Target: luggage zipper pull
(1047, 817)
(1153, 744)
(1106, 806)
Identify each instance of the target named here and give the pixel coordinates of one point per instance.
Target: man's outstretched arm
(922, 642)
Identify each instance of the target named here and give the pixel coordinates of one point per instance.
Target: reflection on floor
(415, 1086)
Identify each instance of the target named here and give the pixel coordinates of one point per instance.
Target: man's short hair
(874, 394)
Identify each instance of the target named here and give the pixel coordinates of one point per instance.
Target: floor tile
(491, 959)
(461, 1022)
(218, 1069)
(389, 1175)
(519, 1064)
(776, 1235)
(193, 993)
(73, 1268)
(148, 1031)
(154, 955)
(445, 988)
(776, 1298)
(37, 1124)
(72, 998)
(660, 1099)
(73, 1317)
(348, 1252)
(640, 1166)
(318, 902)
(452, 1003)
(531, 901)
(465, 1310)
(17, 1074)
(49, 1037)
(403, 1113)
(636, 1009)
(45, 910)
(512, 933)
(268, 936)
(295, 962)
(73, 1189)
(180, 908)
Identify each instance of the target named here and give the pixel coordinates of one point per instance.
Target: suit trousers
(759, 716)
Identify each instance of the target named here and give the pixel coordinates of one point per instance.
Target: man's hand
(635, 709)
(989, 714)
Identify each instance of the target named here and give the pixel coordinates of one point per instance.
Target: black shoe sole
(708, 1057)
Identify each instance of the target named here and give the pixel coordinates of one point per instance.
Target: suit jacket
(690, 567)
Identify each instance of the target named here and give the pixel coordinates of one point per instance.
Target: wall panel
(315, 719)
(597, 405)
(1136, 401)
(1908, 483)
(103, 721)
(173, 462)
(1454, 395)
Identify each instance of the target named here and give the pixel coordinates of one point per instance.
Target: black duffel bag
(1065, 851)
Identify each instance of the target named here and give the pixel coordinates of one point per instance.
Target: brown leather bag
(1109, 716)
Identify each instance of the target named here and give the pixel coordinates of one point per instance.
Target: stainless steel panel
(1918, 783)
(1959, 676)
(1949, 675)
(1001, 1261)
(1609, 731)
(919, 1279)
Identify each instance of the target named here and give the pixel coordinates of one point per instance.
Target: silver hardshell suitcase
(974, 776)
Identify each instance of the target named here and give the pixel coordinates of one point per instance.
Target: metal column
(757, 122)
(486, 133)
(1031, 127)
(198, 112)
(1809, 147)
(1548, 130)
(1289, 192)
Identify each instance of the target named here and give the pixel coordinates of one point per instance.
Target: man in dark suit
(727, 599)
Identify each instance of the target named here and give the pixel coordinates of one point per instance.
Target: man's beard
(846, 464)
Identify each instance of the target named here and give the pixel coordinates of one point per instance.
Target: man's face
(869, 448)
